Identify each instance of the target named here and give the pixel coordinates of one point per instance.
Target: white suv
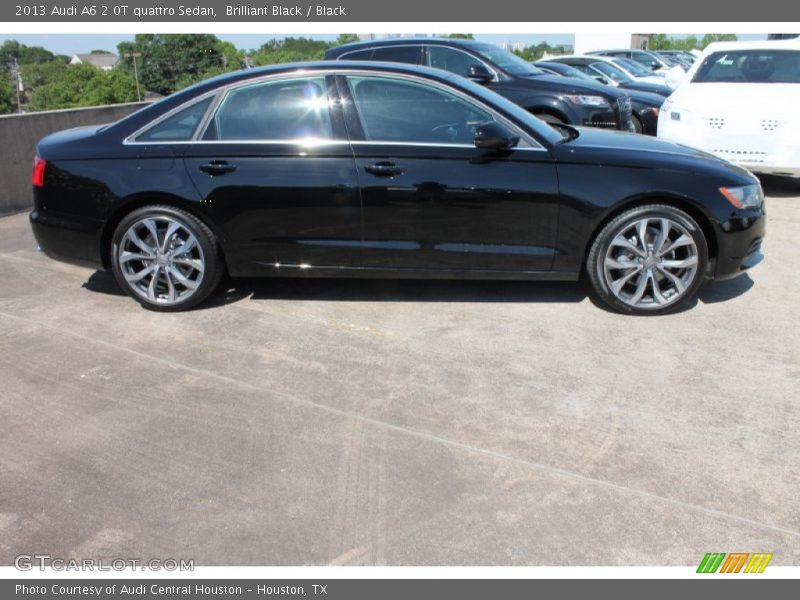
(741, 102)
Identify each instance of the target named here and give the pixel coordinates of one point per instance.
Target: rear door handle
(218, 167)
(384, 169)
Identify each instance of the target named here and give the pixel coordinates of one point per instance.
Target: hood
(644, 86)
(646, 98)
(567, 85)
(737, 98)
(599, 146)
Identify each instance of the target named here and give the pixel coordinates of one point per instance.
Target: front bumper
(739, 244)
(67, 239)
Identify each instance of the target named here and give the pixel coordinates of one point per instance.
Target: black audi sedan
(644, 106)
(550, 98)
(385, 170)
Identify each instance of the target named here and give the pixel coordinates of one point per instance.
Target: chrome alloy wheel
(161, 260)
(650, 263)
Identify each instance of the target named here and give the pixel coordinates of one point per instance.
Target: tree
(12, 50)
(50, 86)
(659, 41)
(345, 38)
(290, 50)
(167, 60)
(8, 103)
(533, 53)
(459, 36)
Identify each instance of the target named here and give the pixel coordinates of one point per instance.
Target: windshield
(633, 67)
(612, 72)
(508, 62)
(750, 66)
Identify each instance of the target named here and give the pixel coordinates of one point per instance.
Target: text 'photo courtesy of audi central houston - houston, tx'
(376, 169)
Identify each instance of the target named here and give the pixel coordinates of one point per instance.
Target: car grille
(624, 113)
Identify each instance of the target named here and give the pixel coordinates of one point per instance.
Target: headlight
(598, 101)
(747, 196)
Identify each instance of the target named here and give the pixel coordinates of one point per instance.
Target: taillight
(39, 165)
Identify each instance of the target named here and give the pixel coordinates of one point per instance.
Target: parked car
(552, 99)
(371, 169)
(644, 105)
(739, 102)
(637, 71)
(647, 59)
(687, 58)
(604, 70)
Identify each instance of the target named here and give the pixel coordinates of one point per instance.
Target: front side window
(612, 72)
(750, 66)
(507, 61)
(396, 110)
(357, 55)
(448, 59)
(288, 109)
(179, 127)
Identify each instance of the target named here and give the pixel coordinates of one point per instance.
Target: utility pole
(17, 85)
(134, 56)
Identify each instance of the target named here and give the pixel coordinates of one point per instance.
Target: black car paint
(542, 94)
(644, 105)
(456, 212)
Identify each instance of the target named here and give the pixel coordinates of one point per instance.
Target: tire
(165, 258)
(638, 126)
(651, 278)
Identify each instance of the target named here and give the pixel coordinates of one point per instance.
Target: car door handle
(384, 169)
(218, 167)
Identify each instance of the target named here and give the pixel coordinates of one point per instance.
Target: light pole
(134, 56)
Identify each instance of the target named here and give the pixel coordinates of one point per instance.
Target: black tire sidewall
(213, 269)
(595, 260)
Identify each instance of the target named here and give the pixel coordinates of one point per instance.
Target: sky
(79, 44)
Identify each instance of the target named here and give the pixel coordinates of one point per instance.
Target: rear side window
(401, 54)
(750, 66)
(292, 109)
(357, 55)
(179, 127)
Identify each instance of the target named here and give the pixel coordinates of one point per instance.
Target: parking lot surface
(317, 422)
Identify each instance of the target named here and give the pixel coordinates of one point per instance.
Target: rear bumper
(67, 239)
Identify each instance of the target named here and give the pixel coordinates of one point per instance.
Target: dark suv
(551, 98)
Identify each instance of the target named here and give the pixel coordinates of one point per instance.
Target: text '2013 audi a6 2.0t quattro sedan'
(385, 170)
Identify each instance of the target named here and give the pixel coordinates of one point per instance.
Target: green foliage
(12, 50)
(52, 85)
(289, 50)
(459, 36)
(167, 60)
(659, 41)
(8, 101)
(532, 53)
(345, 38)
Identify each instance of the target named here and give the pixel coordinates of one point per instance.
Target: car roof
(790, 44)
(150, 112)
(462, 43)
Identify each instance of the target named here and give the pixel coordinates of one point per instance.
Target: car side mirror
(655, 66)
(479, 73)
(601, 79)
(494, 136)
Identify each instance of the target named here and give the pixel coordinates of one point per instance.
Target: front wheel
(649, 260)
(165, 258)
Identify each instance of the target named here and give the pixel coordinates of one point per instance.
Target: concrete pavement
(400, 423)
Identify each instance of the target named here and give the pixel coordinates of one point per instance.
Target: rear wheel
(648, 260)
(638, 126)
(165, 258)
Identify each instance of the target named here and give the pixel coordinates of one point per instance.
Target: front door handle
(218, 167)
(384, 169)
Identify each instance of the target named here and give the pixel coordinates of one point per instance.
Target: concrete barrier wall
(19, 135)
